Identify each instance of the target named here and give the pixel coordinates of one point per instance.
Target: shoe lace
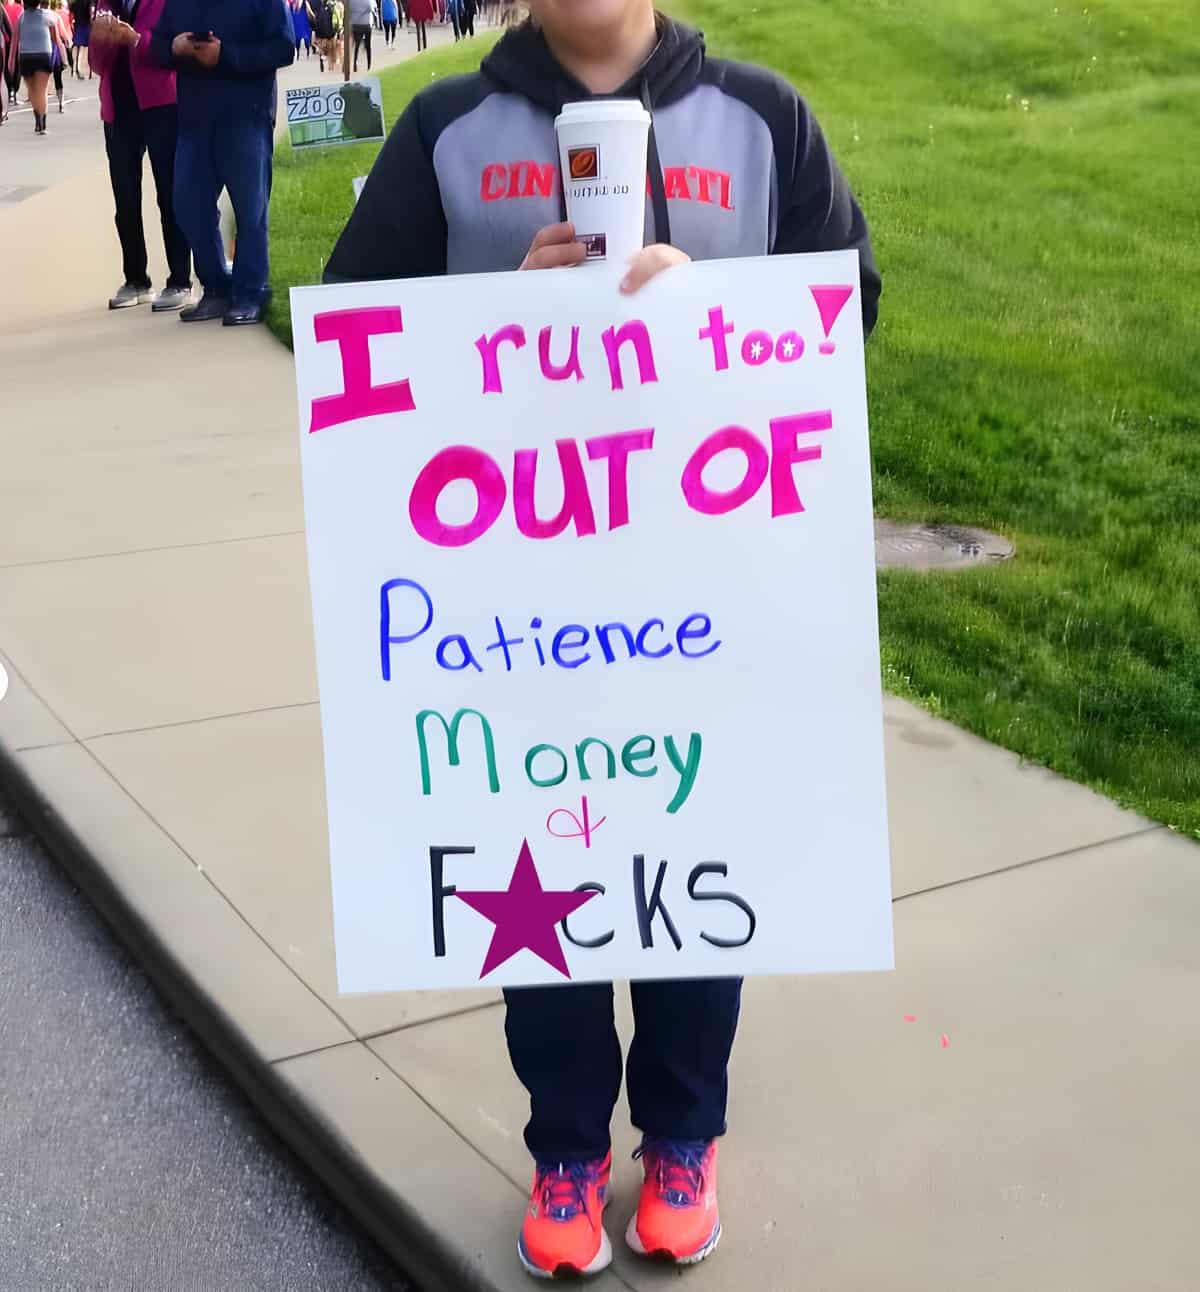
(678, 1167)
(562, 1188)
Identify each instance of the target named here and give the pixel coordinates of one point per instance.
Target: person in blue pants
(225, 57)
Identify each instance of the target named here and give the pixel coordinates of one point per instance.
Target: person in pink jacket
(137, 106)
(7, 37)
(8, 62)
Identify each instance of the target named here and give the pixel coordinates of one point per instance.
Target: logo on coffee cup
(595, 244)
(584, 163)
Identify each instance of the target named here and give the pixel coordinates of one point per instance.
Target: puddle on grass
(936, 547)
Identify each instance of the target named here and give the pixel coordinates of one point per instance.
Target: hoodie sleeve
(398, 229)
(817, 211)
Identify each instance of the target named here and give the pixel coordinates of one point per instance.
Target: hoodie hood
(522, 63)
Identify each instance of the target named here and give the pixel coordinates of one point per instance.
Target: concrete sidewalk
(1029, 1131)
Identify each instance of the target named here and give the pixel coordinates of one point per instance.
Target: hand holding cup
(554, 247)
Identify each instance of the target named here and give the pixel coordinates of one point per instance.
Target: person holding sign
(469, 181)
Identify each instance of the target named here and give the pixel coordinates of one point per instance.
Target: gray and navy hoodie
(737, 167)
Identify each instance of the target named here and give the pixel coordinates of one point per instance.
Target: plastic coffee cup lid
(604, 110)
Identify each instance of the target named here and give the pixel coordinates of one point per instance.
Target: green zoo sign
(343, 113)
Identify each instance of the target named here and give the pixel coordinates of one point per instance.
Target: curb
(417, 1249)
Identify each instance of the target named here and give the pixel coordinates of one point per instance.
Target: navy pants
(127, 140)
(565, 1051)
(232, 154)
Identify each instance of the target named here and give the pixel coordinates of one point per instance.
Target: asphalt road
(128, 1161)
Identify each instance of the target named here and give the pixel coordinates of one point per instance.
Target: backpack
(322, 19)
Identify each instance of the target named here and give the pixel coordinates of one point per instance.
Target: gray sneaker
(127, 294)
(171, 298)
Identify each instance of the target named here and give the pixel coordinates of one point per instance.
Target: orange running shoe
(677, 1213)
(563, 1233)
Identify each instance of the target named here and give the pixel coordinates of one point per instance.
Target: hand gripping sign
(594, 600)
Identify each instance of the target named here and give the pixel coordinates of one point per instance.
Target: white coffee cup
(602, 156)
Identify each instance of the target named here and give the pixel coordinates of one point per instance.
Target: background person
(389, 13)
(225, 88)
(60, 57)
(421, 12)
(81, 21)
(302, 25)
(137, 107)
(773, 187)
(12, 74)
(327, 27)
(6, 39)
(361, 27)
(37, 42)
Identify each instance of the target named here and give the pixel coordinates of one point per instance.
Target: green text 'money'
(546, 765)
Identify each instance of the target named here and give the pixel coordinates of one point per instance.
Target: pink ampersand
(585, 828)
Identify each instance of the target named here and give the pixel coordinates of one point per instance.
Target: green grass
(1030, 176)
(312, 195)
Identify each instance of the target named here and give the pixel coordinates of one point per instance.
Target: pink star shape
(525, 915)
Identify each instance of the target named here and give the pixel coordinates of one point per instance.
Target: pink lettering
(577, 502)
(715, 502)
(488, 346)
(789, 347)
(614, 338)
(757, 348)
(726, 193)
(617, 448)
(493, 182)
(460, 462)
(785, 453)
(559, 372)
(352, 330)
(717, 331)
(830, 301)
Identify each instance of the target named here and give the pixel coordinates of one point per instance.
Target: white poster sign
(339, 112)
(594, 598)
